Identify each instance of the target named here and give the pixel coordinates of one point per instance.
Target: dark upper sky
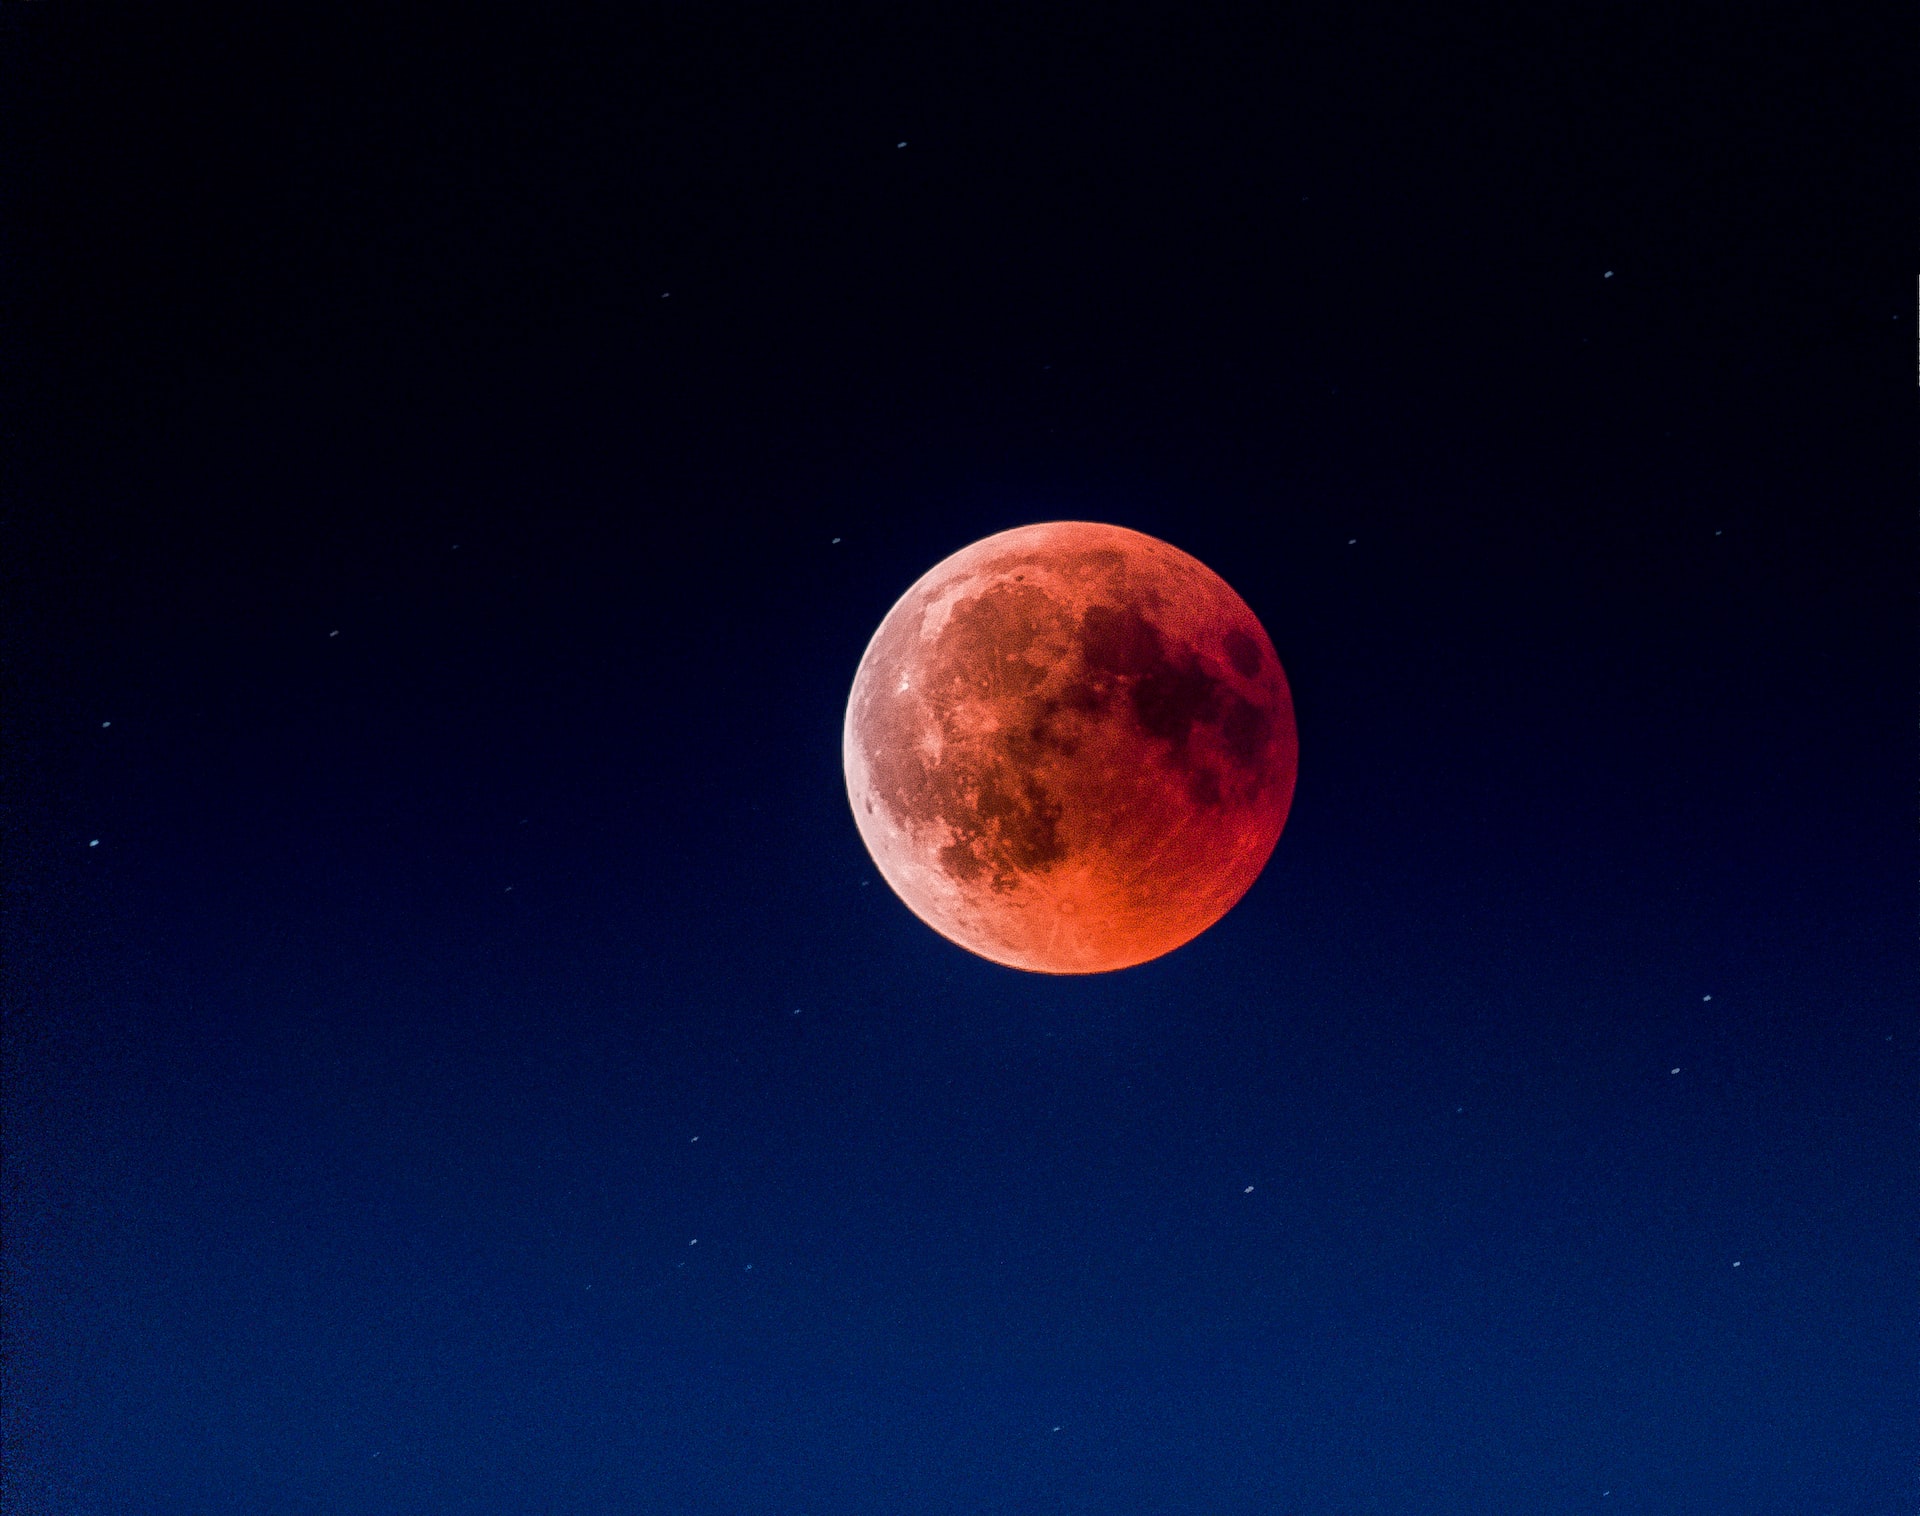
(431, 901)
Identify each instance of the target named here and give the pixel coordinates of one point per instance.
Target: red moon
(1070, 748)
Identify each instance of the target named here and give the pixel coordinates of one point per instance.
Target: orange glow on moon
(1070, 748)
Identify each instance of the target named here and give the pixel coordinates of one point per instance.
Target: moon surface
(1070, 748)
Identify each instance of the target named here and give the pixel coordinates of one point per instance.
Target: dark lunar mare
(1172, 692)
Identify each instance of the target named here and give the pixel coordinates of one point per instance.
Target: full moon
(1070, 748)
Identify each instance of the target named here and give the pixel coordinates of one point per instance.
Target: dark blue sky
(458, 1056)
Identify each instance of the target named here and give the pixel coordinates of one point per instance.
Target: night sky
(458, 1054)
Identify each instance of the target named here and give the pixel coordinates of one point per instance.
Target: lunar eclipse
(1070, 748)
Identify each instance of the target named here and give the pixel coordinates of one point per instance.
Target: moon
(1070, 748)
